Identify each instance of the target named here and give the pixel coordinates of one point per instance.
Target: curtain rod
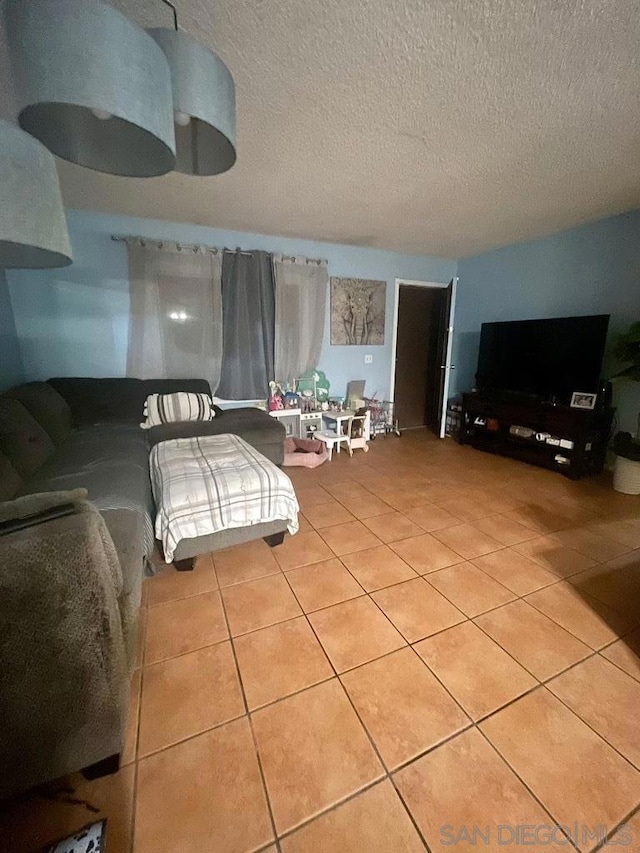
(175, 13)
(195, 247)
(298, 258)
(192, 247)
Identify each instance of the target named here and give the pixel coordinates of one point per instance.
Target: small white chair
(362, 435)
(331, 439)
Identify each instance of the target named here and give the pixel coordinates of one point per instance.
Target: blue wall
(593, 269)
(74, 321)
(11, 372)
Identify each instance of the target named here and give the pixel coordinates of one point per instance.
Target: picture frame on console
(583, 400)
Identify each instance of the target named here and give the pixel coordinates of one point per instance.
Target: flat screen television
(546, 359)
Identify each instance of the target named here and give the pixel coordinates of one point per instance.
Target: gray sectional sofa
(85, 433)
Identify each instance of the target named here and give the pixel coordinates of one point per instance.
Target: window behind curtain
(301, 295)
(175, 326)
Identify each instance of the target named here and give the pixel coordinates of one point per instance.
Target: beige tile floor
(452, 640)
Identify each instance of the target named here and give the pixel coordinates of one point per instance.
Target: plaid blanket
(210, 483)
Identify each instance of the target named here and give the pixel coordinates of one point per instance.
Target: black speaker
(605, 395)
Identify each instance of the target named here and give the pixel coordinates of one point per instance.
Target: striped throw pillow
(172, 408)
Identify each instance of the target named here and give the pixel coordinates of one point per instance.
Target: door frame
(448, 352)
(394, 329)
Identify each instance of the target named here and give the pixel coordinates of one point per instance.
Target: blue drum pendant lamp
(33, 228)
(204, 104)
(92, 86)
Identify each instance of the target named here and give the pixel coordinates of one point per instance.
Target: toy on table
(276, 397)
(291, 400)
(314, 383)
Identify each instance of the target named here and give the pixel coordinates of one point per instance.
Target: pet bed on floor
(304, 452)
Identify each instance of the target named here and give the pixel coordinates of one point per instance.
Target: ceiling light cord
(175, 13)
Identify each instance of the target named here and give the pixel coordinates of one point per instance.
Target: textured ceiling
(442, 127)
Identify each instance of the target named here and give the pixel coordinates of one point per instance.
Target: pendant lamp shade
(33, 228)
(92, 86)
(204, 103)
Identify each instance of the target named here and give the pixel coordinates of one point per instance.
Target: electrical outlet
(368, 359)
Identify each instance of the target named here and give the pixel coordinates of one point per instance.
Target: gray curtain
(301, 296)
(175, 324)
(248, 312)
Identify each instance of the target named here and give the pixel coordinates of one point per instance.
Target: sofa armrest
(63, 672)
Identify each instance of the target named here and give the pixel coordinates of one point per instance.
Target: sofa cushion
(170, 386)
(22, 439)
(10, 480)
(111, 462)
(175, 408)
(126, 527)
(98, 401)
(44, 404)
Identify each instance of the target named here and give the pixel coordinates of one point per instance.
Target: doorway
(422, 350)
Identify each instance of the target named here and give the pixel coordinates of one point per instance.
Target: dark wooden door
(416, 371)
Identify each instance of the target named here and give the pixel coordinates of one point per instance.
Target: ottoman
(215, 491)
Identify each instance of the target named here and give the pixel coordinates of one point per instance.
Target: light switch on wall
(368, 359)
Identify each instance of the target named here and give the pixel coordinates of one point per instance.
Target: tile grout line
(526, 786)
(408, 811)
(333, 807)
(505, 759)
(387, 774)
(335, 675)
(572, 633)
(479, 720)
(142, 638)
(596, 733)
(457, 606)
(540, 682)
(473, 724)
(134, 806)
(586, 596)
(250, 724)
(184, 654)
(619, 668)
(634, 811)
(191, 737)
(517, 597)
(265, 790)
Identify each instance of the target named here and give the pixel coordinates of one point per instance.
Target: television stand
(572, 441)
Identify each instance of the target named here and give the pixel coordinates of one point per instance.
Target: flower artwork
(357, 311)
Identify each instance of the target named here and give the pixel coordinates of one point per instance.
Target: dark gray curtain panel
(248, 321)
